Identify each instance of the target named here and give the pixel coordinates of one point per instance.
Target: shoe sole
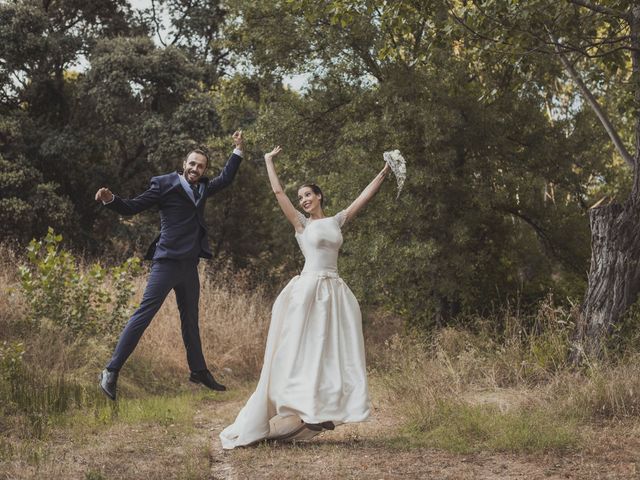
(288, 436)
(306, 434)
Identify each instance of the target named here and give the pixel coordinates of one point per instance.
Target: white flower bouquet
(398, 166)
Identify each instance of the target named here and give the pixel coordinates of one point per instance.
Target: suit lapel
(177, 185)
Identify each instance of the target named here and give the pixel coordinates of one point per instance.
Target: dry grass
(474, 389)
(12, 304)
(233, 327)
(499, 384)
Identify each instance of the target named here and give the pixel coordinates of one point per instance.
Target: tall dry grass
(234, 321)
(57, 374)
(503, 388)
(499, 383)
(12, 305)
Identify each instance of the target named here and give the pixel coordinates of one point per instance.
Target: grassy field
(495, 399)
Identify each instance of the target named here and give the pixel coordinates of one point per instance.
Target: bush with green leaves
(85, 301)
(11, 360)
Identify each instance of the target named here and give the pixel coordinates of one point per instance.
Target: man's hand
(272, 153)
(238, 139)
(104, 195)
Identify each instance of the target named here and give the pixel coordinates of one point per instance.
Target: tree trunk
(614, 276)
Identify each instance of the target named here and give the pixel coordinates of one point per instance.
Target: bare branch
(418, 37)
(157, 23)
(599, 8)
(181, 22)
(597, 43)
(554, 249)
(593, 102)
(566, 47)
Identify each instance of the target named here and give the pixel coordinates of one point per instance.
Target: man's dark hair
(199, 151)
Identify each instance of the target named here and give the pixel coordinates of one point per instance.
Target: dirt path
(364, 452)
(192, 451)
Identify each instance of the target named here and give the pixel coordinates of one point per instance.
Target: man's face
(194, 167)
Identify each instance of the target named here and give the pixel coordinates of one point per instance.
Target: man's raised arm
(231, 167)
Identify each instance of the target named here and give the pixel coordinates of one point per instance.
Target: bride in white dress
(314, 374)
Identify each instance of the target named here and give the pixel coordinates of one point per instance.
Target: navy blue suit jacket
(183, 232)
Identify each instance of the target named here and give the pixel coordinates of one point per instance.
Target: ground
(183, 444)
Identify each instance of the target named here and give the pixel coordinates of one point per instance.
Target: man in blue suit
(181, 198)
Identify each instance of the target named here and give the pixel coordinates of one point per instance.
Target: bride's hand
(272, 153)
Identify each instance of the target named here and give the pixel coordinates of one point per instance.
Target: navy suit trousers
(166, 275)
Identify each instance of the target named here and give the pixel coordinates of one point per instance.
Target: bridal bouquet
(398, 166)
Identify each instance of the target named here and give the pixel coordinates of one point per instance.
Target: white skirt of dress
(314, 363)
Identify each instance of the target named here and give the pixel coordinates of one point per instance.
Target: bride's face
(308, 200)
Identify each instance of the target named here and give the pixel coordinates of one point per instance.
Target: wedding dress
(314, 364)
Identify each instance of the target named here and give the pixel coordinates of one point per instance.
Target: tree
(39, 43)
(598, 47)
(28, 205)
(195, 27)
(132, 110)
(484, 179)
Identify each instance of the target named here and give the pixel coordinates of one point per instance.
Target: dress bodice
(320, 242)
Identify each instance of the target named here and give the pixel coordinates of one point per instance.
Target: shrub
(11, 361)
(83, 301)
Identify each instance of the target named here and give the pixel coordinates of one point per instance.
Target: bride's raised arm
(285, 204)
(367, 194)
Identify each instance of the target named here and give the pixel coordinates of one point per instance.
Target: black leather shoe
(205, 378)
(108, 382)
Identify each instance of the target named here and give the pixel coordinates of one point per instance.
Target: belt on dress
(323, 288)
(321, 274)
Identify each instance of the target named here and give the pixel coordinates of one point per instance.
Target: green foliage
(95, 301)
(133, 112)
(503, 156)
(11, 363)
(493, 209)
(28, 204)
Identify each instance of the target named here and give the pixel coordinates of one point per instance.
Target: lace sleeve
(302, 219)
(341, 217)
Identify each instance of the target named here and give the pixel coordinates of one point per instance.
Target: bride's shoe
(292, 428)
(285, 428)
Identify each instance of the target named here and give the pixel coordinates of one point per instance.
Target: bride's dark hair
(315, 189)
